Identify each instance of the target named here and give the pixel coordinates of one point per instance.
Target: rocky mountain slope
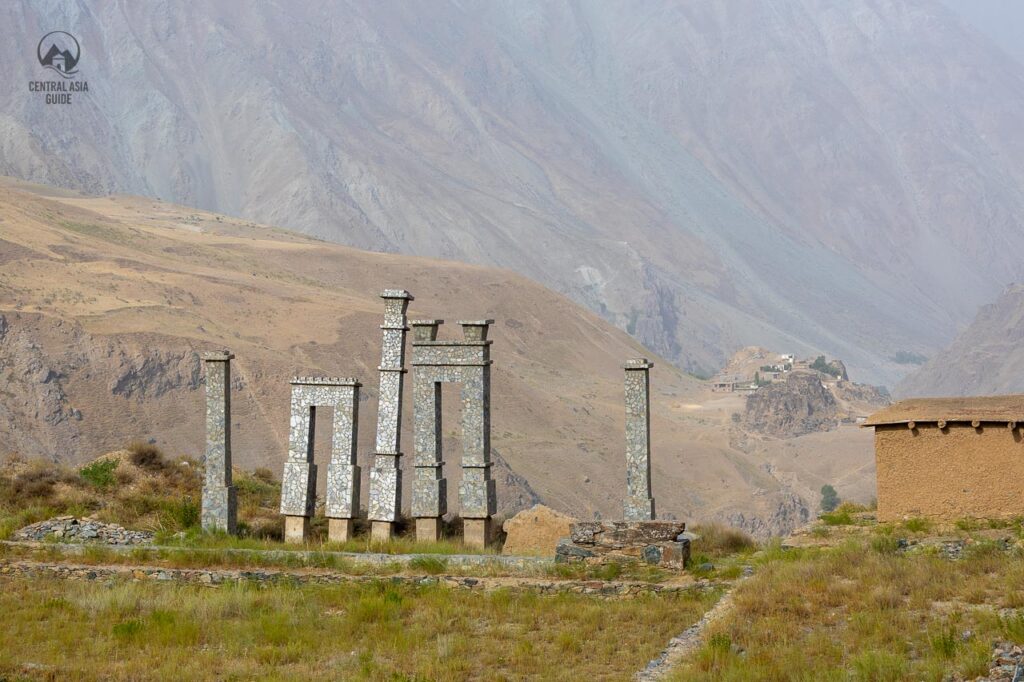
(987, 358)
(798, 174)
(106, 302)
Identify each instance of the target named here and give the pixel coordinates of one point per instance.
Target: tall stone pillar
(385, 476)
(298, 482)
(638, 505)
(219, 506)
(342, 470)
(429, 487)
(477, 497)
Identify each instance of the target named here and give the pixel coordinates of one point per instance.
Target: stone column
(342, 471)
(298, 483)
(477, 497)
(385, 476)
(638, 505)
(429, 487)
(219, 510)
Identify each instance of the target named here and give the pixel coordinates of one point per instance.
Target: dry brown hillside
(105, 303)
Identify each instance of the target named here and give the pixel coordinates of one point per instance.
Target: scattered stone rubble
(83, 530)
(1007, 664)
(660, 543)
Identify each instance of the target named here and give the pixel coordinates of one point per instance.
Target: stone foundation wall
(210, 576)
(658, 543)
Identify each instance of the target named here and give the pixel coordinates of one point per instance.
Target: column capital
(475, 330)
(425, 330)
(638, 363)
(217, 356)
(397, 293)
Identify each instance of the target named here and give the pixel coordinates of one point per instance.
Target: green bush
(917, 525)
(837, 518)
(829, 498)
(99, 474)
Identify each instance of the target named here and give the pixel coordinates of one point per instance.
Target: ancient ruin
(467, 362)
(219, 505)
(298, 484)
(638, 505)
(385, 476)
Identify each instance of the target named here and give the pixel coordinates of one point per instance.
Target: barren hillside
(105, 303)
(804, 174)
(987, 358)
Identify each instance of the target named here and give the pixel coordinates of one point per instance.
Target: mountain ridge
(710, 176)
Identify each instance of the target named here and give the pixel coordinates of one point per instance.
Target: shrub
(837, 518)
(829, 498)
(147, 456)
(944, 643)
(917, 525)
(181, 514)
(99, 474)
(885, 544)
(718, 540)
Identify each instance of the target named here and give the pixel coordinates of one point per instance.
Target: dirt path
(684, 644)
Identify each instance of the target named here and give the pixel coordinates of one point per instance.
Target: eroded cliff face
(801, 404)
(987, 358)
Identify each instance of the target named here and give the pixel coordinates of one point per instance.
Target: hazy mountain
(986, 359)
(808, 175)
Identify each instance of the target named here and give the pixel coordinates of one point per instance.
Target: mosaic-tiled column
(385, 476)
(219, 506)
(342, 506)
(638, 505)
(477, 498)
(298, 483)
(429, 487)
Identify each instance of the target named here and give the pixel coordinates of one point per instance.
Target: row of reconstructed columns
(435, 361)
(466, 361)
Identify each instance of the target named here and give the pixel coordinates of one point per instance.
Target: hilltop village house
(950, 458)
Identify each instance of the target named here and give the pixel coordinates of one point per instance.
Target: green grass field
(136, 631)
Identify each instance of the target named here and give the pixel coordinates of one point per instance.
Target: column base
(296, 529)
(340, 530)
(428, 529)
(219, 511)
(381, 531)
(638, 509)
(476, 532)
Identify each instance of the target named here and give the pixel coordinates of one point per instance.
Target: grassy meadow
(127, 630)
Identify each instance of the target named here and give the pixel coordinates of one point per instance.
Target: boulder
(536, 531)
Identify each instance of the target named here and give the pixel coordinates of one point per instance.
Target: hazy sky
(1001, 20)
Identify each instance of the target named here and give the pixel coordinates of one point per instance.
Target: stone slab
(536, 531)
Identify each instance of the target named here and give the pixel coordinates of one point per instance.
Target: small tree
(829, 498)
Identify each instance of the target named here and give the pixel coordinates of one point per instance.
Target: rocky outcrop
(790, 513)
(800, 404)
(536, 531)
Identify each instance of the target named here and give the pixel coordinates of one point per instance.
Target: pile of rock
(660, 543)
(1007, 663)
(71, 529)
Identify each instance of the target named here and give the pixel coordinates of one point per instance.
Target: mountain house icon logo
(59, 50)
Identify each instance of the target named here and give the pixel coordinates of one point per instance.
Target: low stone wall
(369, 559)
(659, 543)
(213, 577)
